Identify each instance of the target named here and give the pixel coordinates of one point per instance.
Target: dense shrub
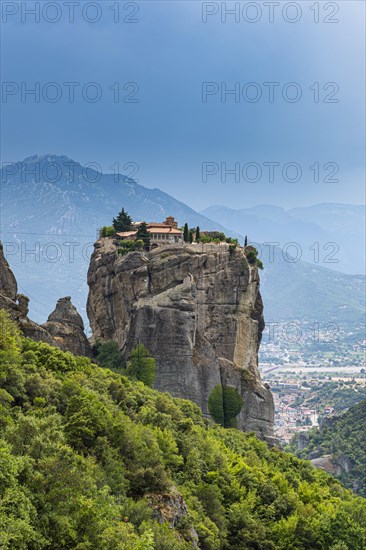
(128, 246)
(109, 356)
(251, 255)
(108, 231)
(9, 333)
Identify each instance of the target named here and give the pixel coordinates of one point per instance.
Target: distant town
(311, 378)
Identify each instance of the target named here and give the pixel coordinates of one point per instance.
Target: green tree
(144, 235)
(205, 238)
(245, 241)
(198, 234)
(107, 231)
(224, 404)
(123, 222)
(191, 236)
(10, 335)
(109, 356)
(233, 404)
(186, 233)
(142, 365)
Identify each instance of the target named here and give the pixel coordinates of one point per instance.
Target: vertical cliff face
(199, 312)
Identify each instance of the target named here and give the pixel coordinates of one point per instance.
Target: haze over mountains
(330, 235)
(52, 206)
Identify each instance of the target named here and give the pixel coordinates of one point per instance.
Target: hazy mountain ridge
(342, 224)
(304, 291)
(54, 205)
(79, 198)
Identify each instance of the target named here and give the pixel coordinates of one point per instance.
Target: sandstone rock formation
(168, 507)
(171, 508)
(197, 309)
(64, 328)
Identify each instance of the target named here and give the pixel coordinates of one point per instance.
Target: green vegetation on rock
(216, 237)
(108, 231)
(91, 460)
(251, 254)
(129, 246)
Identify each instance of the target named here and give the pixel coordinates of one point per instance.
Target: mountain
(51, 207)
(306, 292)
(339, 446)
(329, 235)
(75, 200)
(92, 459)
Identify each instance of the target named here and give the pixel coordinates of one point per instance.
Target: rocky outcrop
(8, 284)
(333, 464)
(17, 304)
(171, 508)
(326, 463)
(197, 309)
(64, 328)
(303, 441)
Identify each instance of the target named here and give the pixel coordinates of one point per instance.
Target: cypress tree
(123, 222)
(191, 236)
(245, 241)
(143, 235)
(186, 233)
(198, 235)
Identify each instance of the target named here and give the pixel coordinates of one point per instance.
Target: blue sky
(170, 132)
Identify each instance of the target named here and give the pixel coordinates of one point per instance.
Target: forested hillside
(90, 459)
(344, 438)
